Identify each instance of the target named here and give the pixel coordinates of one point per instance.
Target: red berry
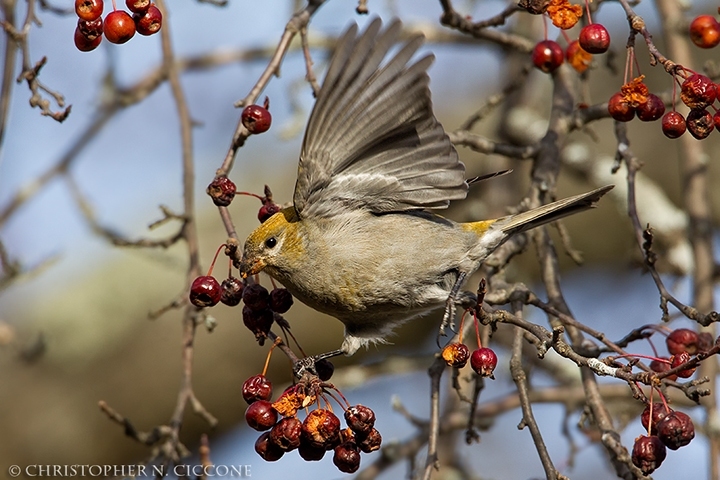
(91, 29)
(619, 109)
(705, 31)
(360, 419)
(324, 369)
(137, 6)
(256, 119)
(149, 22)
(679, 359)
(89, 9)
(261, 415)
(370, 442)
(280, 300)
(267, 211)
(119, 27)
(286, 434)
(698, 91)
(594, 38)
(547, 56)
(648, 453)
(232, 291)
(84, 44)
(310, 453)
(660, 366)
(673, 124)
(483, 361)
(222, 191)
(682, 340)
(347, 457)
(256, 297)
(258, 321)
(257, 387)
(700, 123)
(676, 430)
(651, 110)
(321, 428)
(205, 291)
(658, 413)
(266, 449)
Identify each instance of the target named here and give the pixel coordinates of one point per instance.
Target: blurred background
(76, 330)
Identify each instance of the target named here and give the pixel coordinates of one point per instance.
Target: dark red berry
(659, 366)
(360, 419)
(286, 433)
(257, 387)
(547, 56)
(267, 211)
(205, 291)
(256, 119)
(705, 31)
(370, 442)
(705, 339)
(594, 38)
(682, 340)
(676, 430)
(619, 109)
(347, 457)
(232, 291)
(84, 44)
(258, 321)
(320, 428)
(324, 369)
(700, 123)
(266, 449)
(651, 110)
(658, 413)
(89, 9)
(261, 415)
(698, 91)
(648, 453)
(118, 27)
(222, 191)
(679, 359)
(456, 354)
(148, 22)
(137, 6)
(673, 124)
(91, 29)
(310, 453)
(483, 361)
(280, 300)
(256, 297)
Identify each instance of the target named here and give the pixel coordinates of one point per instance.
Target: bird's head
(274, 246)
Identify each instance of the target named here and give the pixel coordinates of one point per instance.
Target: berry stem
(639, 355)
(545, 27)
(477, 330)
(277, 342)
(212, 265)
(114, 6)
(262, 199)
(587, 8)
(566, 36)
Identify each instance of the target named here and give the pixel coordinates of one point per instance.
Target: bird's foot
(306, 365)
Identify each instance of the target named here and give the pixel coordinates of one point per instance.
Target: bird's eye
(271, 242)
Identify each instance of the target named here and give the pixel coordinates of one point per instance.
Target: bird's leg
(307, 364)
(452, 300)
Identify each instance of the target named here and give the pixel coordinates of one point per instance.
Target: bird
(361, 241)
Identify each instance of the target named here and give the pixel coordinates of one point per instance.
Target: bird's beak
(251, 267)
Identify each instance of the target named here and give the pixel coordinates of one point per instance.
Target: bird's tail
(521, 222)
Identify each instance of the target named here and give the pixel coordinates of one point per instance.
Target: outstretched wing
(372, 141)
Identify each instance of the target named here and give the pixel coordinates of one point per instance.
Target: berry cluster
(665, 428)
(634, 99)
(697, 92)
(318, 433)
(705, 31)
(118, 26)
(222, 190)
(682, 344)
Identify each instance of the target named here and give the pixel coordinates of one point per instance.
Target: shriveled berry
(456, 354)
(619, 109)
(266, 449)
(261, 415)
(258, 321)
(578, 58)
(148, 22)
(648, 453)
(232, 291)
(324, 369)
(547, 56)
(257, 387)
(673, 124)
(705, 339)
(89, 9)
(347, 457)
(256, 119)
(483, 361)
(267, 211)
(698, 91)
(651, 110)
(682, 340)
(320, 428)
(360, 419)
(256, 297)
(280, 300)
(205, 291)
(370, 442)
(594, 38)
(700, 123)
(91, 29)
(676, 430)
(679, 359)
(309, 453)
(286, 433)
(137, 6)
(658, 413)
(118, 27)
(705, 31)
(222, 191)
(84, 44)
(660, 366)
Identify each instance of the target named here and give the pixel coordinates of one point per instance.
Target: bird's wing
(372, 141)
